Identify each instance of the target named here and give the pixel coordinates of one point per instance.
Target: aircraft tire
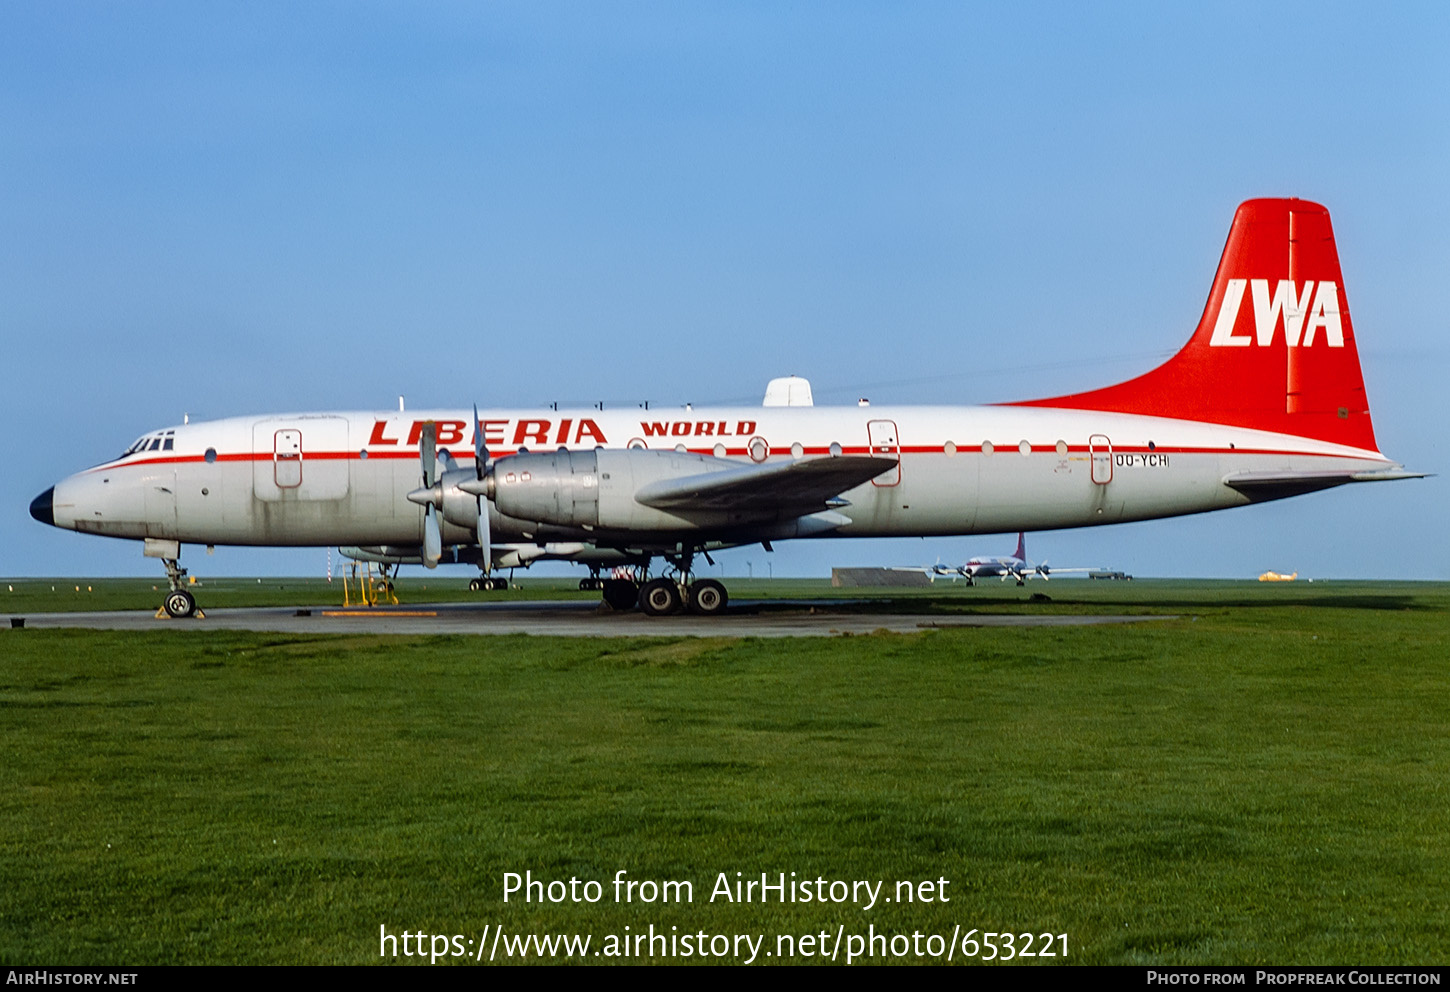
(660, 598)
(708, 598)
(621, 594)
(475, 585)
(498, 585)
(180, 604)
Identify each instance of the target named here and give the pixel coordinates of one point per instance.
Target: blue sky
(223, 209)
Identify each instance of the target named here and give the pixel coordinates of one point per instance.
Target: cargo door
(300, 458)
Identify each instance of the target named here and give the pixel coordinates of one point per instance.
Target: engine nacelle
(595, 489)
(553, 487)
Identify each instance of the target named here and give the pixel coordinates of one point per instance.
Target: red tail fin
(1021, 554)
(1274, 349)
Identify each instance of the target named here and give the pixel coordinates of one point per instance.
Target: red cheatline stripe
(1004, 447)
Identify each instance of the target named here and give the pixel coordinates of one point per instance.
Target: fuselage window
(210, 455)
(949, 448)
(987, 448)
(1025, 447)
(1062, 449)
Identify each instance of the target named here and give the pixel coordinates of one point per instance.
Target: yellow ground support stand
(371, 588)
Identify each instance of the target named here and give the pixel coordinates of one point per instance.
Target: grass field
(1260, 781)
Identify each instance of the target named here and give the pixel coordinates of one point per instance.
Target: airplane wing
(932, 572)
(798, 485)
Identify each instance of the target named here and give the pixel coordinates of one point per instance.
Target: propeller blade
(485, 537)
(480, 453)
(432, 533)
(428, 452)
(432, 538)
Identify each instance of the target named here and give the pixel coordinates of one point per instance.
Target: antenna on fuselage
(400, 404)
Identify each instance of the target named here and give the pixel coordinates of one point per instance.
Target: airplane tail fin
(1275, 347)
(1021, 553)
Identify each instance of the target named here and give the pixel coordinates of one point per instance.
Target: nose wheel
(179, 602)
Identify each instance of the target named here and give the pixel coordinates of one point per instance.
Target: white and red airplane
(1265, 401)
(1014, 566)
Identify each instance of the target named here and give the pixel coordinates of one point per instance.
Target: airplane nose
(42, 508)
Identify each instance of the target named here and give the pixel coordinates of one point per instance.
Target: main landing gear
(487, 583)
(667, 595)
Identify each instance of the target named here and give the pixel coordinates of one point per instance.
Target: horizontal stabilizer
(773, 486)
(1264, 486)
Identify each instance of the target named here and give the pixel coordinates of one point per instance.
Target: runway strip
(565, 618)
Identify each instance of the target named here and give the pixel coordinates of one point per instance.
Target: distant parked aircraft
(1014, 566)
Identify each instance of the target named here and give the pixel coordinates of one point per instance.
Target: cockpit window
(162, 441)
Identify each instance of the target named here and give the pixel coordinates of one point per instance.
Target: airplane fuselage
(343, 478)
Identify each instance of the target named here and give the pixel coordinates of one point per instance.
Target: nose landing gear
(179, 602)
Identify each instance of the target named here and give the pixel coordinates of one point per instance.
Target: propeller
(429, 495)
